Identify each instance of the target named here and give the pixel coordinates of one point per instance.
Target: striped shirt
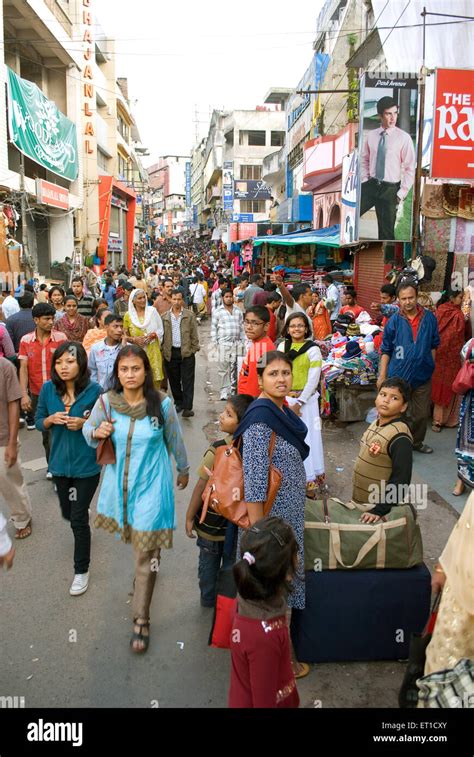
(84, 305)
(227, 327)
(176, 329)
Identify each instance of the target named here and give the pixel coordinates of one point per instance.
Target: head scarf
(284, 422)
(151, 321)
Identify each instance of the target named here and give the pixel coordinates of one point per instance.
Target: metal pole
(419, 157)
(24, 227)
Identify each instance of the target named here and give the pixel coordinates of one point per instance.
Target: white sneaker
(49, 476)
(80, 584)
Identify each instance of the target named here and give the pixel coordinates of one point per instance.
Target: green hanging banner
(39, 130)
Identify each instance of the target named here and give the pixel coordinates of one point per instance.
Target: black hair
(56, 289)
(293, 317)
(256, 277)
(260, 311)
(152, 396)
(177, 291)
(111, 318)
(400, 384)
(385, 103)
(167, 280)
(70, 297)
(328, 278)
(227, 291)
(42, 309)
(43, 287)
(447, 295)
(272, 544)
(77, 278)
(407, 284)
(26, 301)
(28, 288)
(388, 289)
(240, 403)
(298, 291)
(109, 281)
(351, 292)
(99, 313)
(274, 297)
(83, 377)
(97, 303)
(271, 357)
(270, 286)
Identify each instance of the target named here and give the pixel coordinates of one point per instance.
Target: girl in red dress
(262, 674)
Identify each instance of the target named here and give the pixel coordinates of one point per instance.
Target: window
(256, 138)
(253, 206)
(122, 166)
(102, 161)
(242, 137)
(277, 138)
(122, 128)
(251, 173)
(229, 138)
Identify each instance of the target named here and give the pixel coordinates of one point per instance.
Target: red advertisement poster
(453, 137)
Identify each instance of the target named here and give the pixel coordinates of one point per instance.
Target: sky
(183, 58)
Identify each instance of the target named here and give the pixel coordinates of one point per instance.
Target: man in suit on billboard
(388, 164)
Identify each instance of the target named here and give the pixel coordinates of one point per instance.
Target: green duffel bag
(334, 538)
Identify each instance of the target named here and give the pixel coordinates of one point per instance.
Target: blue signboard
(242, 218)
(228, 186)
(188, 184)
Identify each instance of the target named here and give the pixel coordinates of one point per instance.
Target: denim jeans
(211, 559)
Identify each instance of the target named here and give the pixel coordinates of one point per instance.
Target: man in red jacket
(256, 323)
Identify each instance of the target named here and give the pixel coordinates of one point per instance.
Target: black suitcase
(361, 615)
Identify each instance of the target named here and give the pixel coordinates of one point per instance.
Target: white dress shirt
(400, 159)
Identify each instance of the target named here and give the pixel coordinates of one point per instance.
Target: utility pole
(24, 227)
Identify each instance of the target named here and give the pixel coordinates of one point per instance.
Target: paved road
(60, 651)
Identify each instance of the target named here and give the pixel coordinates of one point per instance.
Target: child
(211, 532)
(256, 325)
(262, 675)
(385, 460)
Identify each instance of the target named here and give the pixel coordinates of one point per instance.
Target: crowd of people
(103, 369)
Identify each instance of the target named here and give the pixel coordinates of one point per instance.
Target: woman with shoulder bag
(266, 415)
(64, 405)
(136, 498)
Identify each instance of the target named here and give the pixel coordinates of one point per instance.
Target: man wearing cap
(387, 168)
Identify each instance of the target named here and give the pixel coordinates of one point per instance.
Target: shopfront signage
(115, 245)
(88, 77)
(453, 138)
(228, 186)
(242, 217)
(252, 190)
(51, 194)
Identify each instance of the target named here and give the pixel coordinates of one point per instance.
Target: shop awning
(329, 237)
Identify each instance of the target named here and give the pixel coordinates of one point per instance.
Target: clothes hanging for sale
(432, 202)
(451, 193)
(464, 236)
(466, 203)
(437, 235)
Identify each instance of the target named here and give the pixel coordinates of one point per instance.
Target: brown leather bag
(224, 492)
(105, 452)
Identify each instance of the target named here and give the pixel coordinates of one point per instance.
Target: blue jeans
(211, 559)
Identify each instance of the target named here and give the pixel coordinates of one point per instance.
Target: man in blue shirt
(103, 354)
(410, 340)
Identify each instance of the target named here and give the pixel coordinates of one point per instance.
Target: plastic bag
(372, 415)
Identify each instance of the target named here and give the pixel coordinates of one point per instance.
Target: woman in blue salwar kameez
(136, 497)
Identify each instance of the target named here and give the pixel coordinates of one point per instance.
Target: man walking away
(409, 344)
(179, 346)
(21, 323)
(332, 300)
(256, 285)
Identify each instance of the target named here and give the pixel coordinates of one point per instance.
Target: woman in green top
(303, 398)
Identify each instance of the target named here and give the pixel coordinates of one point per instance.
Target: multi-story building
(197, 185)
(167, 179)
(41, 182)
(232, 166)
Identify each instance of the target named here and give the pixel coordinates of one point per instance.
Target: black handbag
(408, 694)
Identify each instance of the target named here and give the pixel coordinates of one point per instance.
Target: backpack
(224, 491)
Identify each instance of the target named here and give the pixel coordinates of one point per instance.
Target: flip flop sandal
(139, 636)
(436, 427)
(23, 533)
(304, 670)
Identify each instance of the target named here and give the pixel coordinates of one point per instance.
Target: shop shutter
(369, 275)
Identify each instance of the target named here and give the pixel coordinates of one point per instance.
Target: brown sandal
(436, 427)
(139, 636)
(23, 533)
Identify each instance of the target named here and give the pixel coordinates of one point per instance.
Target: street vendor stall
(302, 254)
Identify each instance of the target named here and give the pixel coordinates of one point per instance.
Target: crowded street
(237, 371)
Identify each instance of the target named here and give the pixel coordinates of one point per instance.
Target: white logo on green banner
(39, 130)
